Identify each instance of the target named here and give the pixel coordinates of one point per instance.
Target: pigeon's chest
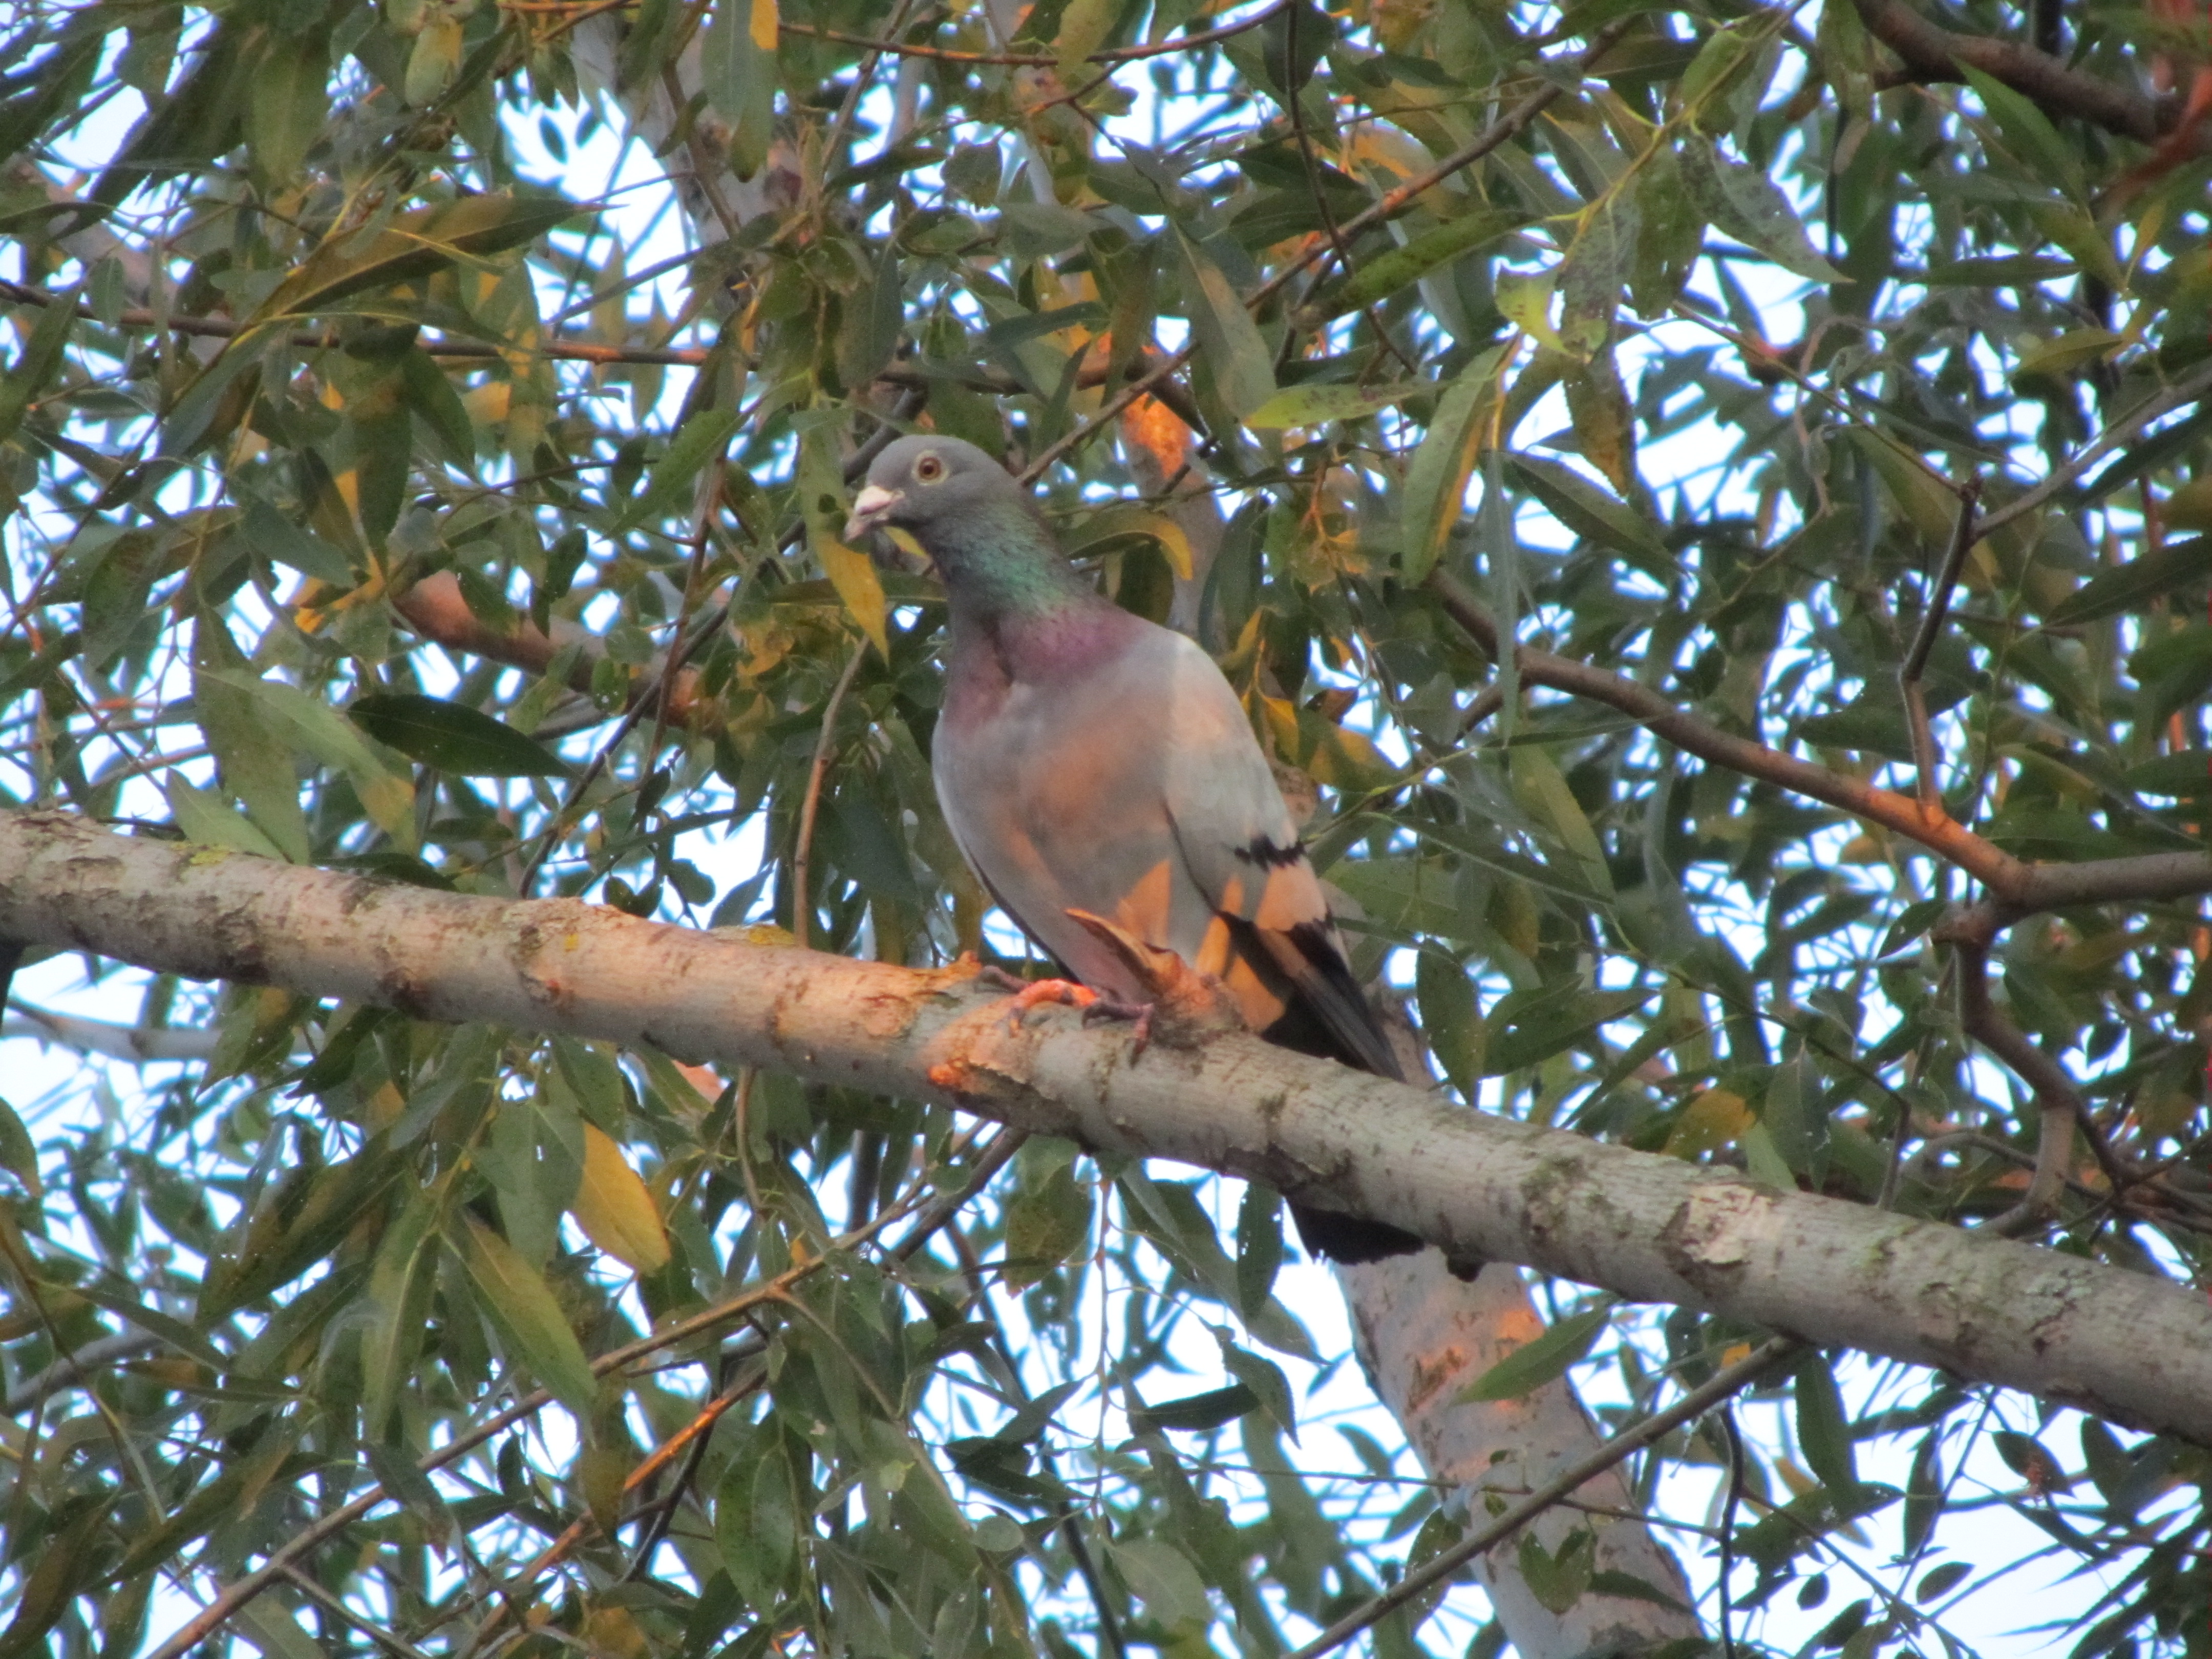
(1026, 755)
(1039, 755)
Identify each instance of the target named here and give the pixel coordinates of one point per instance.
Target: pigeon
(1095, 769)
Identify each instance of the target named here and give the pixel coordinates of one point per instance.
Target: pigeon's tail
(1352, 1239)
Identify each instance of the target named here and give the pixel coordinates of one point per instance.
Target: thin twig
(2061, 1106)
(703, 166)
(2017, 889)
(1722, 1385)
(2187, 390)
(235, 1596)
(1392, 203)
(1297, 107)
(337, 1609)
(1727, 1415)
(1039, 60)
(995, 1157)
(694, 1432)
(1909, 670)
(76, 1367)
(1111, 1640)
(802, 902)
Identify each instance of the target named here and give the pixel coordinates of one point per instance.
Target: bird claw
(1035, 993)
(1139, 1013)
(1066, 992)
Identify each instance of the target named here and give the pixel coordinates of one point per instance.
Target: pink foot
(1032, 993)
(1139, 1013)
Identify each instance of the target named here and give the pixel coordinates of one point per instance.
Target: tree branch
(75, 1367)
(134, 1044)
(1095, 371)
(2059, 1104)
(2020, 888)
(1932, 628)
(1932, 54)
(1392, 203)
(1722, 1385)
(1652, 1228)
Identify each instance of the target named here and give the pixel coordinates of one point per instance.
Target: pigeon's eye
(929, 469)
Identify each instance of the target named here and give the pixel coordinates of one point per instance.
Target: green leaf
(453, 737)
(1823, 1432)
(1931, 508)
(400, 1284)
(1939, 1581)
(1264, 1377)
(851, 573)
(257, 767)
(115, 592)
(288, 544)
(64, 1567)
(2028, 132)
(514, 1300)
(1557, 1581)
(1045, 1225)
(737, 73)
(697, 443)
(2059, 362)
(1727, 52)
(2185, 774)
(1545, 1359)
(1319, 404)
(1436, 481)
(37, 363)
(1195, 1413)
(410, 246)
(205, 817)
(1164, 1580)
(1259, 1247)
(1230, 342)
(1923, 1492)
(315, 728)
(2133, 585)
(1750, 206)
(1127, 520)
(1541, 788)
(291, 101)
(1292, 42)
(1379, 279)
(1525, 1032)
(429, 393)
(19, 1153)
(1451, 1021)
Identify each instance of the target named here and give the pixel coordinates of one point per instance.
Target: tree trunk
(1423, 1336)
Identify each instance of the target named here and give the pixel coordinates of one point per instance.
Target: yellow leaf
(1714, 1119)
(764, 21)
(854, 575)
(613, 1207)
(487, 404)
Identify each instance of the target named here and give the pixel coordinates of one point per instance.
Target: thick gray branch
(2122, 1344)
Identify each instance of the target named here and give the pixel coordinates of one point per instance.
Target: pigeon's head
(939, 490)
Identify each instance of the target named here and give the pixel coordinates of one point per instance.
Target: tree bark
(1423, 1336)
(2123, 1345)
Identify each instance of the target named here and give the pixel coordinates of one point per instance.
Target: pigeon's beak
(870, 508)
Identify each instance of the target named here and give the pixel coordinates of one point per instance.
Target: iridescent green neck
(1000, 561)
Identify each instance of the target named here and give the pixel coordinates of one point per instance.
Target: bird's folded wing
(1239, 848)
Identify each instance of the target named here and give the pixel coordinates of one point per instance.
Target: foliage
(371, 503)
